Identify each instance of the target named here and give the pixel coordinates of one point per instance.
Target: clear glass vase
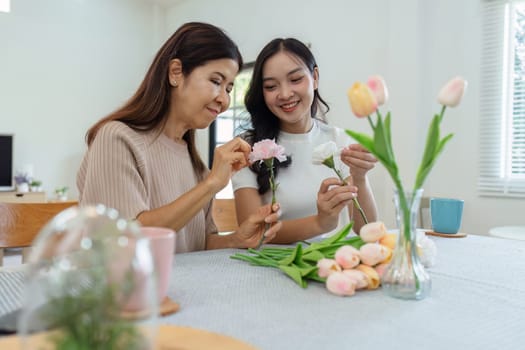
(406, 277)
(90, 284)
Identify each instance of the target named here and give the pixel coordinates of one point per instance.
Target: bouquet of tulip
(324, 155)
(266, 151)
(405, 277)
(344, 264)
(364, 101)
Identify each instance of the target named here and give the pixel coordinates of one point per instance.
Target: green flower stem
(273, 187)
(442, 113)
(356, 202)
(371, 122)
(300, 263)
(404, 207)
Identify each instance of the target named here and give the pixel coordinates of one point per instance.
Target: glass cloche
(90, 284)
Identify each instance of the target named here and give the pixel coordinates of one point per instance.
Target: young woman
(284, 102)
(142, 158)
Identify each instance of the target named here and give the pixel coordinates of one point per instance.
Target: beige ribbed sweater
(136, 171)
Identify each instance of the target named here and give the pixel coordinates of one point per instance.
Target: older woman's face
(203, 94)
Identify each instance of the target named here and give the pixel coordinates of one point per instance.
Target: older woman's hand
(228, 159)
(358, 159)
(263, 222)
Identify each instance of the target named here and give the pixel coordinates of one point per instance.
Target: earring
(173, 83)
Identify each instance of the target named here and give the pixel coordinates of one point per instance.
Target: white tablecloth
(477, 302)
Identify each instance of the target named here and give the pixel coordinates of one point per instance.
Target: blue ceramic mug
(446, 214)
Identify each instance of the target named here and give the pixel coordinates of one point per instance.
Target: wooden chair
(225, 215)
(424, 213)
(21, 222)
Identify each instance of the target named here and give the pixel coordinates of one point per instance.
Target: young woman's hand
(228, 159)
(358, 159)
(263, 222)
(331, 199)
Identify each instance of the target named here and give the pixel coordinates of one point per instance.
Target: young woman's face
(288, 89)
(203, 94)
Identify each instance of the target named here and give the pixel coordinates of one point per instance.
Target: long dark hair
(194, 44)
(265, 125)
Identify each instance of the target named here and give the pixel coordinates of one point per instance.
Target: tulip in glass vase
(405, 277)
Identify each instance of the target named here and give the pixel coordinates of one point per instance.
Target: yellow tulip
(389, 240)
(371, 275)
(362, 100)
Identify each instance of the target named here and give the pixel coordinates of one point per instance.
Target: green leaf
(294, 273)
(313, 256)
(365, 140)
(388, 138)
(330, 240)
(441, 144)
(429, 153)
(368, 143)
(297, 253)
(314, 276)
(432, 140)
(305, 270)
(381, 143)
(422, 174)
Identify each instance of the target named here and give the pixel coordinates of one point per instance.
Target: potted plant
(36, 186)
(22, 181)
(61, 193)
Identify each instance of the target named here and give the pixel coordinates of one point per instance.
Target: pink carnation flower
(266, 149)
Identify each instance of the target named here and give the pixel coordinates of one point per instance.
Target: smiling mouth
(289, 106)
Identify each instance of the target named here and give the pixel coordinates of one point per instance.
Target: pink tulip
(377, 84)
(362, 100)
(340, 284)
(326, 267)
(347, 257)
(358, 276)
(380, 269)
(374, 253)
(450, 95)
(373, 231)
(266, 149)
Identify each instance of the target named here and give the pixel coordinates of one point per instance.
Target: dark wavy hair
(265, 125)
(194, 44)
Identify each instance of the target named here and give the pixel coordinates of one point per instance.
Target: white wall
(66, 63)
(63, 65)
(416, 45)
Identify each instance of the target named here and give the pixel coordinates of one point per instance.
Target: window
(502, 105)
(233, 121)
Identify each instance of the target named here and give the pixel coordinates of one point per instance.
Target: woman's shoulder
(115, 133)
(118, 129)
